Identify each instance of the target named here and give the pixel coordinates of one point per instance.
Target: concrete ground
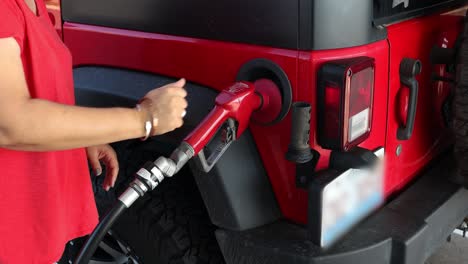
(454, 252)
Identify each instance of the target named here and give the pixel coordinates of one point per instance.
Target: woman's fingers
(106, 155)
(93, 158)
(180, 83)
(112, 168)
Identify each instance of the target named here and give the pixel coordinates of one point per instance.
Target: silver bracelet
(148, 123)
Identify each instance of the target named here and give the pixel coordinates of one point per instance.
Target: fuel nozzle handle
(299, 148)
(237, 102)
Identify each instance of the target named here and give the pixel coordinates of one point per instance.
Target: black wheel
(460, 107)
(168, 225)
(111, 250)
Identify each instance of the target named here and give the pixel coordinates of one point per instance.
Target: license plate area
(338, 200)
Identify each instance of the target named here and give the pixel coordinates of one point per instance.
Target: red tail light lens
(345, 98)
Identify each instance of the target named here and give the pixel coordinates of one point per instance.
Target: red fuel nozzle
(238, 102)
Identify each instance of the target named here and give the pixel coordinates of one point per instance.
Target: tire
(167, 226)
(460, 104)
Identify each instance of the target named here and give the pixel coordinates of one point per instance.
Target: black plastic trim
(333, 24)
(405, 231)
(409, 69)
(237, 191)
(261, 22)
(299, 145)
(237, 197)
(356, 158)
(292, 24)
(384, 13)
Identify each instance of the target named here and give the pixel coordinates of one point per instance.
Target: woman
(46, 198)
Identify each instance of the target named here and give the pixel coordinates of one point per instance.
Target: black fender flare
(236, 197)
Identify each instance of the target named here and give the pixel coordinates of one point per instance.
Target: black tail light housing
(345, 101)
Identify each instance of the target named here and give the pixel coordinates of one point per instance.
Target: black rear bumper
(405, 231)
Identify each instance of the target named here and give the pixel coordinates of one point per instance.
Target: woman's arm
(42, 125)
(39, 125)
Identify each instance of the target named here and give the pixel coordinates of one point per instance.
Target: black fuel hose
(99, 232)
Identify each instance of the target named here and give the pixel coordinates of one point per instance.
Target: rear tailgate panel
(414, 39)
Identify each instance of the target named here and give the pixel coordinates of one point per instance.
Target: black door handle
(409, 68)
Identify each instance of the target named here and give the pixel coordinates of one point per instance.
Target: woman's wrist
(146, 119)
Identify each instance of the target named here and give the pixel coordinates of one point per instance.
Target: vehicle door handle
(409, 69)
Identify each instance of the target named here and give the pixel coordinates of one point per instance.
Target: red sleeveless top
(46, 198)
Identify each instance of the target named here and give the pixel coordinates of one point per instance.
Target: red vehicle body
(216, 63)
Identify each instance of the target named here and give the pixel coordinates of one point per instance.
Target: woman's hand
(106, 155)
(167, 106)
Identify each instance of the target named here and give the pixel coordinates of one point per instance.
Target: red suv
(378, 80)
